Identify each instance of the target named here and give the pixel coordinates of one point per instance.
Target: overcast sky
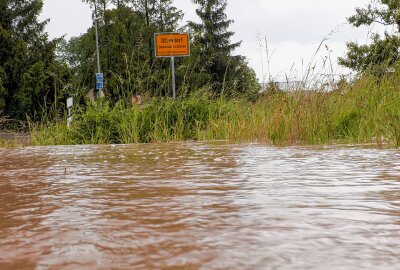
(292, 28)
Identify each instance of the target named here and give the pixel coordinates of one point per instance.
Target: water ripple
(199, 206)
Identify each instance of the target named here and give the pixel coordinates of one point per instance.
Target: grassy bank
(367, 111)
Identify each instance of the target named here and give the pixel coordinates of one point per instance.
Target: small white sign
(70, 102)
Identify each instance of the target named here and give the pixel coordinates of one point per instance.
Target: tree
(213, 38)
(385, 12)
(126, 54)
(228, 73)
(29, 72)
(382, 52)
(121, 52)
(160, 16)
(168, 16)
(138, 18)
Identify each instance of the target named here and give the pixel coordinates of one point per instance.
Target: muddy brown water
(199, 206)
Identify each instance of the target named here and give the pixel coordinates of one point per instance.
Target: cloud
(305, 21)
(299, 6)
(67, 17)
(291, 59)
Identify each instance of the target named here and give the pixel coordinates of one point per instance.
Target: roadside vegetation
(367, 111)
(219, 97)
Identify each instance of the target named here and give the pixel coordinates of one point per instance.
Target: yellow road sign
(172, 44)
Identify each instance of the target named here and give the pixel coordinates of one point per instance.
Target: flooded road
(199, 206)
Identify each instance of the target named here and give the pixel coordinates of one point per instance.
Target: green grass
(10, 144)
(365, 112)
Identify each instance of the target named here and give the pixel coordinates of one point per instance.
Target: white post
(70, 103)
(173, 77)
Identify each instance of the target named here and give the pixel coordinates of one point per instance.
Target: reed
(367, 111)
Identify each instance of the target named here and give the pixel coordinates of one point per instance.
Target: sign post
(99, 80)
(172, 45)
(173, 77)
(99, 84)
(70, 103)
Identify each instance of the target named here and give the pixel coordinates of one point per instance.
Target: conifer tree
(168, 16)
(213, 38)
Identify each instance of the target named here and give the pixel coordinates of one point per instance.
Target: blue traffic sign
(99, 77)
(99, 85)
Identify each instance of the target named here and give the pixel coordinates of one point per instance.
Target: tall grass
(367, 111)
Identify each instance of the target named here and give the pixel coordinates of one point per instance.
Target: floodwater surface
(199, 206)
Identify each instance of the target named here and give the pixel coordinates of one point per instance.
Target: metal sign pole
(97, 39)
(171, 45)
(173, 77)
(97, 49)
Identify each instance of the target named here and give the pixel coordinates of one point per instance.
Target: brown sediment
(197, 205)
